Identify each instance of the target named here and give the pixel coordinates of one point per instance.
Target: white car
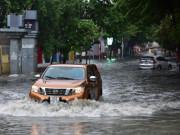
(154, 62)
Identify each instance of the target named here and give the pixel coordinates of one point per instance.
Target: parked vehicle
(154, 62)
(65, 82)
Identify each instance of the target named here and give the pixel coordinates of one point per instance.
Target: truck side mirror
(93, 78)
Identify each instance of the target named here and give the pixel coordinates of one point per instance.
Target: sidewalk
(73, 62)
(42, 67)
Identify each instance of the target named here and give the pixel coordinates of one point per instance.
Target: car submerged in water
(65, 82)
(154, 62)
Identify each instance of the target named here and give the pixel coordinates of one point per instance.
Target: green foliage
(12, 6)
(113, 22)
(147, 13)
(77, 23)
(118, 25)
(164, 34)
(62, 26)
(86, 34)
(48, 13)
(98, 10)
(16, 6)
(69, 18)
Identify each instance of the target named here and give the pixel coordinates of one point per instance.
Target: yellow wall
(0, 59)
(4, 64)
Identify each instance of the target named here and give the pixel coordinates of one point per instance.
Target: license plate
(54, 99)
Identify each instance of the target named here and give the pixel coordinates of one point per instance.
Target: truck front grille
(55, 92)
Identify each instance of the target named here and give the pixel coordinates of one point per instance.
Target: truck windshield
(65, 73)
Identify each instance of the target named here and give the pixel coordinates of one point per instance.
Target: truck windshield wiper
(66, 78)
(49, 77)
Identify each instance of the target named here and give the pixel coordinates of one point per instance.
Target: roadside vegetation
(76, 24)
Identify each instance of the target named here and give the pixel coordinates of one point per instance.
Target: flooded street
(134, 102)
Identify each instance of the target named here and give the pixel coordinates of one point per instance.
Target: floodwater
(134, 102)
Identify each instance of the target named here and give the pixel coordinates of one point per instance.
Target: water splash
(80, 108)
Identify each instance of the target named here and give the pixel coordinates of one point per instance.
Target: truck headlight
(78, 90)
(35, 89)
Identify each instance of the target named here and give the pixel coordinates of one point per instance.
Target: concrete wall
(14, 57)
(29, 55)
(4, 40)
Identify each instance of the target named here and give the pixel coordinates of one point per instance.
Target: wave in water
(80, 108)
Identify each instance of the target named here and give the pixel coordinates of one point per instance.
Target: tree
(68, 23)
(98, 10)
(163, 34)
(66, 28)
(12, 6)
(117, 25)
(87, 32)
(145, 13)
(48, 13)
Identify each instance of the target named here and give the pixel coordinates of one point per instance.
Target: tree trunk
(60, 57)
(65, 56)
(169, 52)
(64, 60)
(80, 57)
(51, 60)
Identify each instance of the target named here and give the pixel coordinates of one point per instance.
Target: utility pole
(100, 45)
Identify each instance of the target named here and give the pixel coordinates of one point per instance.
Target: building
(18, 44)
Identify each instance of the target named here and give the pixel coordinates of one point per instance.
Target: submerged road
(134, 102)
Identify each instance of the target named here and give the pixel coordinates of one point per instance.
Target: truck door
(93, 86)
